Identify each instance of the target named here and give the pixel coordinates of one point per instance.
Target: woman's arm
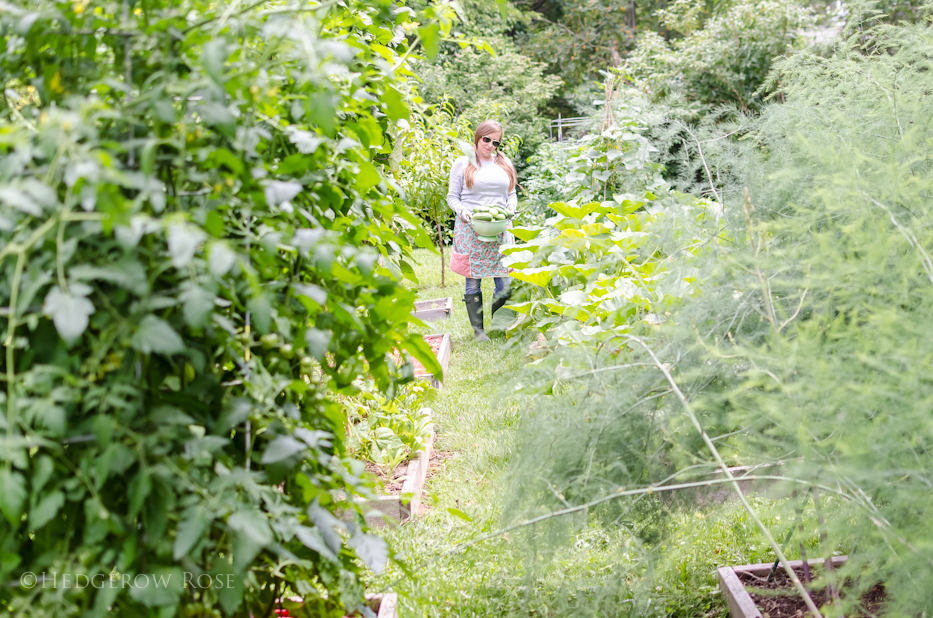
(512, 201)
(455, 188)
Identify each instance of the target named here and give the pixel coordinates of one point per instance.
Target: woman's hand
(466, 215)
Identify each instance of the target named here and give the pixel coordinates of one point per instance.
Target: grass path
(593, 569)
(475, 420)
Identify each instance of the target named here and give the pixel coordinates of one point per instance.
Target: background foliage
(726, 60)
(804, 346)
(508, 87)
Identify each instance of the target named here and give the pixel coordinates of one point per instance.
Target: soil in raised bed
(393, 485)
(779, 599)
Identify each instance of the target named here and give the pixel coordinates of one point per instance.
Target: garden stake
(803, 557)
(831, 591)
(790, 533)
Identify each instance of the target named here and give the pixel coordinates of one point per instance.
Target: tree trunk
(616, 57)
(440, 242)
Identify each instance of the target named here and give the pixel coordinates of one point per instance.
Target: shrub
(508, 87)
(725, 61)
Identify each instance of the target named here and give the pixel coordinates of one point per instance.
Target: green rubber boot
(498, 302)
(474, 305)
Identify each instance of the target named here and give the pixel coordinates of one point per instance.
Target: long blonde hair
(489, 127)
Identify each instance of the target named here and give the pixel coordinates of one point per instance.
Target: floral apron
(474, 258)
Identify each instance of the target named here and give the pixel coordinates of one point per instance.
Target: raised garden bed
(406, 489)
(435, 309)
(440, 345)
(739, 584)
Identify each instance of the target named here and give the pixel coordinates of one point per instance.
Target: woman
(491, 180)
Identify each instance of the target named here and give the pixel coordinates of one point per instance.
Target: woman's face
(486, 147)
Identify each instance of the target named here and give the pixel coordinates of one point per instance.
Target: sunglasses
(487, 139)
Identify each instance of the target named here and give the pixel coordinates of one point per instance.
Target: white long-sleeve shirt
(490, 186)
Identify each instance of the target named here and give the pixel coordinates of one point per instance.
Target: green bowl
(488, 231)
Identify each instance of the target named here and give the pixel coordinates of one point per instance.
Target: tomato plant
(196, 239)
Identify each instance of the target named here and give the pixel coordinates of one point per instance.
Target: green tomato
(269, 341)
(287, 351)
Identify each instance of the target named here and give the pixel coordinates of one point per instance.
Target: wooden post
(440, 240)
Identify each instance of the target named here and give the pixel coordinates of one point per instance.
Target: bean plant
(195, 235)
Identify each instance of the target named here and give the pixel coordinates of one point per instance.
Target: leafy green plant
(595, 268)
(608, 160)
(389, 432)
(192, 215)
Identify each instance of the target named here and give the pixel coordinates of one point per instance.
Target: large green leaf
(576, 212)
(183, 242)
(282, 448)
(189, 532)
(155, 335)
(368, 176)
(526, 233)
(12, 496)
(372, 550)
(430, 38)
(536, 276)
(418, 348)
(47, 508)
(70, 311)
(197, 304)
(312, 539)
(253, 524)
